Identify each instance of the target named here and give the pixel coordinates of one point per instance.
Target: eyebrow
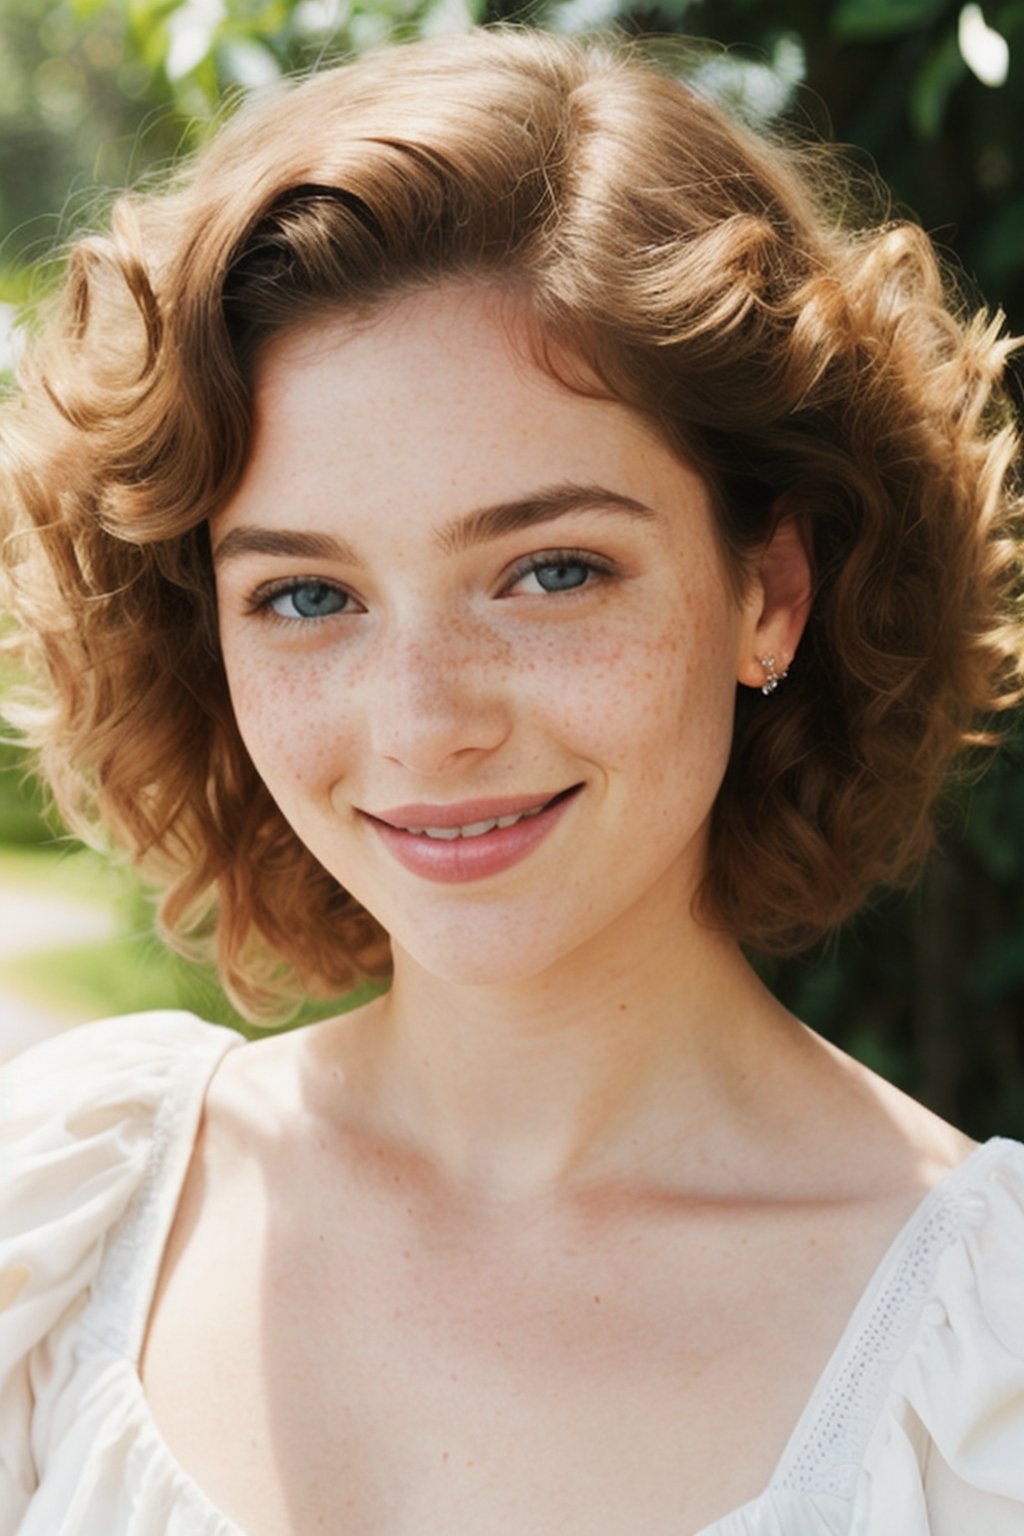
(477, 527)
(542, 506)
(247, 539)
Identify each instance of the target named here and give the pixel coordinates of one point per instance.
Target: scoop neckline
(941, 1191)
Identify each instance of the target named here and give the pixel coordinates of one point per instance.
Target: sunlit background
(94, 96)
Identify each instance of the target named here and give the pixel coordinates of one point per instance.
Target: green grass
(130, 971)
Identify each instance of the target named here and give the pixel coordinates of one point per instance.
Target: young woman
(491, 522)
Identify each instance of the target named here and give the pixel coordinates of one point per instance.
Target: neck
(613, 1061)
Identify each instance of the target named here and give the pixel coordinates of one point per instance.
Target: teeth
(478, 828)
(474, 828)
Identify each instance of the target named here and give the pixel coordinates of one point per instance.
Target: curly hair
(711, 278)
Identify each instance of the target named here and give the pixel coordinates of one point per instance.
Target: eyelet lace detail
(827, 1452)
(122, 1292)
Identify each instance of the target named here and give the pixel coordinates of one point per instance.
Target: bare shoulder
(252, 1089)
(269, 1086)
(869, 1136)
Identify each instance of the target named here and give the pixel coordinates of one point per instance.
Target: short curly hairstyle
(811, 363)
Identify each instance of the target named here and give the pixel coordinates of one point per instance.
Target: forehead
(439, 397)
(463, 347)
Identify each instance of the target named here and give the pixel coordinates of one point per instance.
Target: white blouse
(916, 1427)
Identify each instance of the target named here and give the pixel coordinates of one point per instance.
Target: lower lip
(458, 860)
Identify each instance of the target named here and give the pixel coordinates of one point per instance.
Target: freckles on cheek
(283, 722)
(674, 704)
(656, 672)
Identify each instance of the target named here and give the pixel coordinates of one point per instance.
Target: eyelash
(262, 600)
(597, 567)
(599, 571)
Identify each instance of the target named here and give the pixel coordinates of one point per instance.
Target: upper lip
(463, 813)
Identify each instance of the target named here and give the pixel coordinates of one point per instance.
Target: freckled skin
(445, 684)
(569, 1165)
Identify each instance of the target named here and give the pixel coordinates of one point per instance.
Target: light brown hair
(707, 276)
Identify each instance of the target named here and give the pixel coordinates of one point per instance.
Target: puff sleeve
(948, 1452)
(79, 1119)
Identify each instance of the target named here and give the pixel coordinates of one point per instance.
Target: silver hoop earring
(772, 677)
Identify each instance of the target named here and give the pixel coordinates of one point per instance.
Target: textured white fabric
(916, 1427)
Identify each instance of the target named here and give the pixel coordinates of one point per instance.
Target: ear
(777, 604)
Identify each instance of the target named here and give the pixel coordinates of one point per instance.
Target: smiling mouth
(484, 825)
(475, 828)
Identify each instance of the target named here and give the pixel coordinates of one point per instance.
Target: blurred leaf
(142, 14)
(246, 62)
(15, 284)
(88, 10)
(935, 81)
(676, 11)
(1002, 974)
(756, 91)
(23, 816)
(883, 18)
(1001, 245)
(993, 827)
(144, 17)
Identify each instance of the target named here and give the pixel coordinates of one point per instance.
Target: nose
(438, 694)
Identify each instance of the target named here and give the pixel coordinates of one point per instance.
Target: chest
(351, 1369)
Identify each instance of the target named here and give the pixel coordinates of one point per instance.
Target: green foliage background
(94, 94)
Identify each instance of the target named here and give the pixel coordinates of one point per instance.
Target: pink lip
(467, 858)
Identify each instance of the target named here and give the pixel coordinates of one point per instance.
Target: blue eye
(562, 577)
(561, 570)
(307, 600)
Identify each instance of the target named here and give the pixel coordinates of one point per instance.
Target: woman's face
(454, 595)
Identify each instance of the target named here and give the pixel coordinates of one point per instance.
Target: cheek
(286, 725)
(654, 686)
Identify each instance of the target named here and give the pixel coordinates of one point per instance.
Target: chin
(484, 959)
